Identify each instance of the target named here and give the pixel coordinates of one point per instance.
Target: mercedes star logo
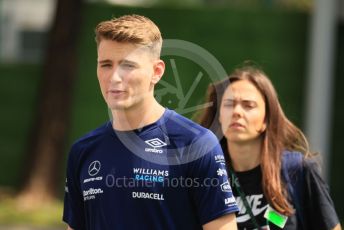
(94, 168)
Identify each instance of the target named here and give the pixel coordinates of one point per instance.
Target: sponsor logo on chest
(93, 173)
(152, 175)
(147, 195)
(156, 144)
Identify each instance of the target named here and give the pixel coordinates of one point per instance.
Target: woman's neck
(245, 156)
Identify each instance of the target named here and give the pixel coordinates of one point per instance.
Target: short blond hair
(135, 29)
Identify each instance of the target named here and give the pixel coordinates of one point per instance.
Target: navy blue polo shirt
(167, 175)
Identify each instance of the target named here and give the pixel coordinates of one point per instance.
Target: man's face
(127, 74)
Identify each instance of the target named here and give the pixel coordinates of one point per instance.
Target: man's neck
(245, 156)
(137, 117)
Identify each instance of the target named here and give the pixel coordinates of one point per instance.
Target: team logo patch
(155, 143)
(220, 159)
(230, 201)
(221, 172)
(225, 187)
(94, 168)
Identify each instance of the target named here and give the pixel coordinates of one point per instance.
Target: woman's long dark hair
(280, 133)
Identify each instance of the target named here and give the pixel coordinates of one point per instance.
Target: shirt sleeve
(320, 209)
(73, 212)
(212, 192)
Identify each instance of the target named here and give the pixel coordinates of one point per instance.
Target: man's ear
(159, 69)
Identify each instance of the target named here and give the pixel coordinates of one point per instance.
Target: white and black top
(318, 208)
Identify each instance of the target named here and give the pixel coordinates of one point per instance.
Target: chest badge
(94, 168)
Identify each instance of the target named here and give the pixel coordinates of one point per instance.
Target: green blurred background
(274, 37)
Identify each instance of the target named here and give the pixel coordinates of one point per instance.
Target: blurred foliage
(18, 87)
(297, 4)
(50, 215)
(304, 5)
(337, 157)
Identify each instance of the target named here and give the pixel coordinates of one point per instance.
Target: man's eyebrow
(104, 61)
(124, 61)
(127, 62)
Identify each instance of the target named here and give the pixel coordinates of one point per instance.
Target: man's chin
(118, 106)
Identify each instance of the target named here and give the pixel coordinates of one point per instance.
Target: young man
(149, 168)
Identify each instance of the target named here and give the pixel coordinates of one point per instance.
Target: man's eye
(128, 66)
(105, 65)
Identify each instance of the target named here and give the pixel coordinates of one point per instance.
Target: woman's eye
(249, 105)
(228, 104)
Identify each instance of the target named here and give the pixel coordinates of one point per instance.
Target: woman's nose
(237, 110)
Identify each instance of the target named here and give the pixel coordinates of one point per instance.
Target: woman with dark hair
(273, 173)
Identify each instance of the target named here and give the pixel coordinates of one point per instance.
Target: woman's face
(242, 112)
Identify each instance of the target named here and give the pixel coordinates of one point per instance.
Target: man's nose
(115, 76)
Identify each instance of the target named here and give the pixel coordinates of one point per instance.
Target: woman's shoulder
(292, 159)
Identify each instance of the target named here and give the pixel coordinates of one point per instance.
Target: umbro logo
(155, 143)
